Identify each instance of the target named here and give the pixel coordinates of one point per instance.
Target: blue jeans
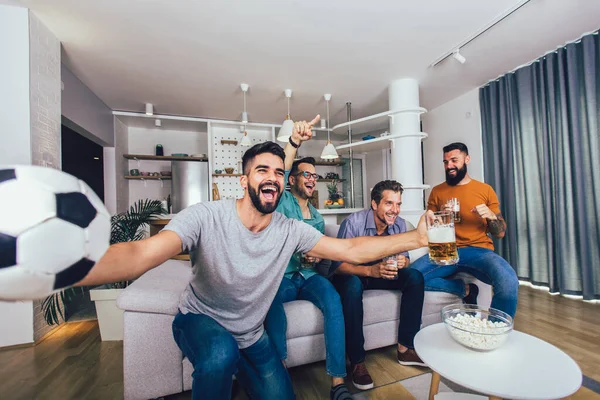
(215, 355)
(351, 287)
(319, 291)
(483, 264)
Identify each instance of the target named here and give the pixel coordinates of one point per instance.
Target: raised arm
(126, 261)
(359, 250)
(301, 133)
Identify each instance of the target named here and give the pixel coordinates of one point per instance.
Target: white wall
(121, 166)
(15, 141)
(144, 141)
(458, 120)
(81, 107)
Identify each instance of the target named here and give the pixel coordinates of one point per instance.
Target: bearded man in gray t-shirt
(241, 249)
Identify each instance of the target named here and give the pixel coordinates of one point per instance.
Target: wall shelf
(162, 158)
(226, 174)
(379, 143)
(149, 178)
(328, 163)
(233, 142)
(330, 180)
(391, 113)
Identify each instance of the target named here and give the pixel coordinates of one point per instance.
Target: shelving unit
(162, 158)
(150, 178)
(226, 174)
(330, 180)
(375, 144)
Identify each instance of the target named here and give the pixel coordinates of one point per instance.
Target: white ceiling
(188, 57)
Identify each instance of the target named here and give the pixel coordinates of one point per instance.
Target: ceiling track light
(285, 132)
(149, 109)
(459, 57)
(329, 152)
(244, 87)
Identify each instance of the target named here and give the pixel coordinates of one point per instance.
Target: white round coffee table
(525, 367)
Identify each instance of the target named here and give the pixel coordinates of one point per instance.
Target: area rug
(418, 386)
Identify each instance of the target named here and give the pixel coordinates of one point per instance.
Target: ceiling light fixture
(459, 57)
(157, 123)
(244, 87)
(475, 35)
(149, 109)
(245, 142)
(285, 132)
(329, 152)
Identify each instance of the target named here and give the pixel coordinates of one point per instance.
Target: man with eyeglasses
(302, 280)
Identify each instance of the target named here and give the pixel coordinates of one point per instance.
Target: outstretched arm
(360, 250)
(126, 261)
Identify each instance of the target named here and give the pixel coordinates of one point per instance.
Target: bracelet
(294, 144)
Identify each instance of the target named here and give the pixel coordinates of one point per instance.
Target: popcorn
(477, 333)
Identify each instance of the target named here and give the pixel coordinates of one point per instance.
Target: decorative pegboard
(226, 155)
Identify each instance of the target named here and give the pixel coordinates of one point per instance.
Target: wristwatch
(294, 144)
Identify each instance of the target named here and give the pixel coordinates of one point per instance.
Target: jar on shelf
(159, 150)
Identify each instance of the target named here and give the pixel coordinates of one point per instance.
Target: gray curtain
(542, 155)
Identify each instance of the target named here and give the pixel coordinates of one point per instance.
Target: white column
(406, 149)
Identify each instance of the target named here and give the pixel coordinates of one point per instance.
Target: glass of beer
(392, 262)
(454, 206)
(307, 262)
(442, 239)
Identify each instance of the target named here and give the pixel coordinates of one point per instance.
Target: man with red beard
(302, 280)
(480, 218)
(351, 279)
(239, 251)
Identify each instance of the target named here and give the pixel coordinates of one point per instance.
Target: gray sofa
(153, 365)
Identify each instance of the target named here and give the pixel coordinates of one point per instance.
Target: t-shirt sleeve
(432, 201)
(493, 203)
(306, 235)
(187, 225)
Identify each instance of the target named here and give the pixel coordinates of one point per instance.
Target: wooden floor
(72, 363)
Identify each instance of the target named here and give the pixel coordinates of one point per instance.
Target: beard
(267, 208)
(300, 190)
(460, 174)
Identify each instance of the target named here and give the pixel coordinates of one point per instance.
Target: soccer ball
(53, 229)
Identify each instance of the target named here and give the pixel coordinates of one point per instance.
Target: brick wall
(44, 92)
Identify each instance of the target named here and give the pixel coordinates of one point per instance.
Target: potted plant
(125, 227)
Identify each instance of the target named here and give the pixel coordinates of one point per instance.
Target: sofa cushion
(158, 290)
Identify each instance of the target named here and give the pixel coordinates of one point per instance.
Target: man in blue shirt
(350, 280)
(301, 280)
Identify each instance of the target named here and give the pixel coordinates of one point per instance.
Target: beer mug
(454, 206)
(442, 239)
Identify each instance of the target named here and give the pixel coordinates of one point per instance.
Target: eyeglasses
(307, 175)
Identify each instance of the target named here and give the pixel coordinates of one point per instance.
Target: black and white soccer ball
(53, 229)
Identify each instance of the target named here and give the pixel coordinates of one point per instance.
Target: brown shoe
(410, 357)
(360, 377)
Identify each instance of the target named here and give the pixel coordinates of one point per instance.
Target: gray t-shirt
(236, 273)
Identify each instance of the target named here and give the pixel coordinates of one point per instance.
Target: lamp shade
(329, 152)
(286, 130)
(246, 142)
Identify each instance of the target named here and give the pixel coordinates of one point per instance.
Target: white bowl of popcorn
(477, 328)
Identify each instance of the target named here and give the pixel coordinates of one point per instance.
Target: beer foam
(442, 234)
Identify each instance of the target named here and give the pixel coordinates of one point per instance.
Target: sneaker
(410, 357)
(361, 378)
(471, 298)
(340, 392)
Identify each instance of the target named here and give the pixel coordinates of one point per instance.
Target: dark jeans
(483, 264)
(319, 291)
(215, 355)
(350, 287)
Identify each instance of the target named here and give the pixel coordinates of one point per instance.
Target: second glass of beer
(442, 239)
